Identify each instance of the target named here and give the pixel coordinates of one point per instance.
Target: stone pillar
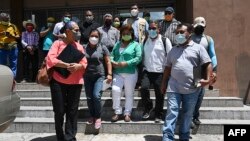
(16, 14)
(184, 11)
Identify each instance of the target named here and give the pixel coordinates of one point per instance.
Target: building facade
(227, 22)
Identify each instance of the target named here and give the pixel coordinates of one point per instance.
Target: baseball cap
(199, 21)
(169, 9)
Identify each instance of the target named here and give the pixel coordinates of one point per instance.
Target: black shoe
(192, 126)
(146, 113)
(196, 121)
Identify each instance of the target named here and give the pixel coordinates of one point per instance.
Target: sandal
(115, 118)
(127, 118)
(98, 123)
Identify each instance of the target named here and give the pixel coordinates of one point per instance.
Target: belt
(8, 46)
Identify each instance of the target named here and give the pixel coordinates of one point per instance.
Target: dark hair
(68, 25)
(154, 21)
(129, 28)
(189, 27)
(134, 5)
(146, 14)
(95, 30)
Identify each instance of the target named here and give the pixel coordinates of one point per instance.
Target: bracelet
(110, 74)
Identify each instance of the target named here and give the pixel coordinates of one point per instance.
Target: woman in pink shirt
(66, 91)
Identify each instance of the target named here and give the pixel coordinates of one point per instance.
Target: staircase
(36, 114)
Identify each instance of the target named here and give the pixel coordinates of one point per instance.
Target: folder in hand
(69, 55)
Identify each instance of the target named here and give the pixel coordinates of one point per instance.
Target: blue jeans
(198, 104)
(93, 90)
(174, 101)
(12, 56)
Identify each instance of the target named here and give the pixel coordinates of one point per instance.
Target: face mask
(108, 23)
(168, 17)
(29, 28)
(66, 19)
(93, 40)
(199, 30)
(77, 35)
(126, 37)
(89, 19)
(152, 33)
(180, 38)
(147, 18)
(134, 12)
(116, 24)
(49, 24)
(5, 23)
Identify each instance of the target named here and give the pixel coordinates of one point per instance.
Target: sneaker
(98, 123)
(127, 118)
(196, 121)
(146, 113)
(91, 120)
(115, 118)
(158, 120)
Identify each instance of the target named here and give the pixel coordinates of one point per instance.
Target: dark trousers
(149, 78)
(33, 60)
(65, 100)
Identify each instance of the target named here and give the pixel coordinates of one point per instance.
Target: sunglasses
(168, 13)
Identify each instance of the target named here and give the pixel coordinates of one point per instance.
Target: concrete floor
(100, 137)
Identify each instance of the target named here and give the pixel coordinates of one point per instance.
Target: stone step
(107, 101)
(46, 125)
(241, 113)
(46, 93)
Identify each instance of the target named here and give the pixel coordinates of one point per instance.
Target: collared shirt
(140, 27)
(109, 36)
(154, 54)
(184, 61)
(30, 38)
(58, 27)
(131, 54)
(74, 78)
(11, 29)
(48, 39)
(167, 29)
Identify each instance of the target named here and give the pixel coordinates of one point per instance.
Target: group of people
(178, 59)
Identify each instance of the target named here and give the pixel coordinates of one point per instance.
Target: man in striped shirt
(169, 25)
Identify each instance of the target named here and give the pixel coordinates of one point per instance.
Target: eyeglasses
(75, 30)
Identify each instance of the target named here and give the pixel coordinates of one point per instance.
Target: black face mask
(199, 30)
(108, 23)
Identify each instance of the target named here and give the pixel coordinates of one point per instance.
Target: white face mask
(93, 40)
(134, 12)
(180, 38)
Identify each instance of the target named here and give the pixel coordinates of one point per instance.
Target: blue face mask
(66, 19)
(152, 33)
(180, 38)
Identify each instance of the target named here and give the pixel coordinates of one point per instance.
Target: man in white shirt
(155, 51)
(56, 32)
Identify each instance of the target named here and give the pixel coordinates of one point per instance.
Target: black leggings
(65, 99)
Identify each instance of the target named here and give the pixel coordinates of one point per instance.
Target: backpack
(208, 40)
(163, 40)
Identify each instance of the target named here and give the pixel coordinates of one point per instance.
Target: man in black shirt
(88, 25)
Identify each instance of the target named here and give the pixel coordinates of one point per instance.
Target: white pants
(129, 82)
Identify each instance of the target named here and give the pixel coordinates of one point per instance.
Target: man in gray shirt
(109, 34)
(182, 64)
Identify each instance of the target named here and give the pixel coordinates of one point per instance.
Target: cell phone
(7, 33)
